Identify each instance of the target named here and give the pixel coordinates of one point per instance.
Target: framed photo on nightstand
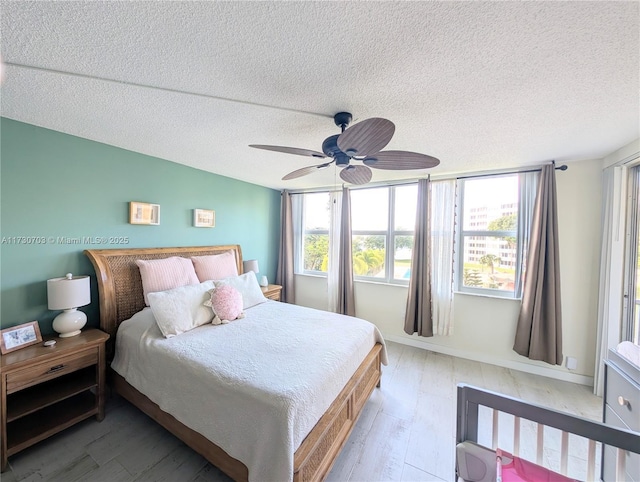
(20, 336)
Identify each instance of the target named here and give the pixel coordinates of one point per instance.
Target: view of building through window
(489, 233)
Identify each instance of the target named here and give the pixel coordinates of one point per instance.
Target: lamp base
(69, 322)
(73, 333)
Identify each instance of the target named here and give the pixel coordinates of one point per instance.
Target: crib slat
(591, 461)
(516, 436)
(494, 435)
(539, 451)
(620, 465)
(564, 453)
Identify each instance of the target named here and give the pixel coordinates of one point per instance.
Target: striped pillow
(215, 266)
(165, 274)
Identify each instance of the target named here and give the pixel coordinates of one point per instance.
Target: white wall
(484, 327)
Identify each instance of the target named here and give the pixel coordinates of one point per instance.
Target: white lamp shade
(68, 292)
(251, 265)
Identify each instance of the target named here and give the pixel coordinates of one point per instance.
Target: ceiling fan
(362, 142)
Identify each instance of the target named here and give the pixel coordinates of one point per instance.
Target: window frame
(461, 234)
(304, 233)
(389, 235)
(390, 238)
(631, 309)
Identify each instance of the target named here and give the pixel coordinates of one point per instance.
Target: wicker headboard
(120, 285)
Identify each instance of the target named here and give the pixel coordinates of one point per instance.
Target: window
(315, 233)
(489, 258)
(382, 227)
(631, 325)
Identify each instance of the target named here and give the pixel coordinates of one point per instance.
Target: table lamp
(252, 265)
(68, 294)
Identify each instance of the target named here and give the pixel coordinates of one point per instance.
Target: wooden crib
(526, 421)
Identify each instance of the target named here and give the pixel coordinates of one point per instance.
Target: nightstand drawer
(46, 371)
(623, 398)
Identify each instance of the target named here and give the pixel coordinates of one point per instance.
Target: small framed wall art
(144, 213)
(20, 336)
(204, 218)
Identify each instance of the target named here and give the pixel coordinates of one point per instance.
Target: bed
(534, 436)
(121, 299)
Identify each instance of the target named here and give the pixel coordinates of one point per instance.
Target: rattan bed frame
(120, 294)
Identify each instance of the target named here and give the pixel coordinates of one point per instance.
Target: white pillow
(181, 309)
(247, 285)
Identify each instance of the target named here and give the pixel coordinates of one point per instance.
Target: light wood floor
(406, 432)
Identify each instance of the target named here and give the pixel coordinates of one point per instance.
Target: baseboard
(512, 364)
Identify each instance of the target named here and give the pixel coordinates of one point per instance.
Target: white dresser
(621, 408)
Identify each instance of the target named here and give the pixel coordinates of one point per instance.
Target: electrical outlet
(572, 363)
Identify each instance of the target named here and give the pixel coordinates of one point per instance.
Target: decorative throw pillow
(247, 285)
(215, 266)
(181, 309)
(165, 274)
(226, 303)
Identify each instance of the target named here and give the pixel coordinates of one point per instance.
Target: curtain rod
(563, 167)
(371, 185)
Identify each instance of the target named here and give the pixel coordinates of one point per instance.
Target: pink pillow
(215, 266)
(165, 274)
(226, 303)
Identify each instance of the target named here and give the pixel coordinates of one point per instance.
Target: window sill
(482, 295)
(372, 282)
(381, 283)
(311, 275)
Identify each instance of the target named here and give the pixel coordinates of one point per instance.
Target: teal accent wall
(56, 186)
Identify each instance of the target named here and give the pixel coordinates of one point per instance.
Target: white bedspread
(256, 386)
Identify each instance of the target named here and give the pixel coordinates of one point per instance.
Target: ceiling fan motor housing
(331, 149)
(330, 146)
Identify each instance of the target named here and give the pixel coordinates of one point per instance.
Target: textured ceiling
(480, 85)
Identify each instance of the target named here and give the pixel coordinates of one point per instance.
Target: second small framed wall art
(204, 218)
(144, 213)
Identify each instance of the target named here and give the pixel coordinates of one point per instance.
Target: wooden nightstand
(45, 390)
(272, 292)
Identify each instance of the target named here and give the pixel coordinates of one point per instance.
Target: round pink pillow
(226, 302)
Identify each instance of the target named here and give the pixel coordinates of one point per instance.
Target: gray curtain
(539, 330)
(346, 298)
(284, 275)
(418, 318)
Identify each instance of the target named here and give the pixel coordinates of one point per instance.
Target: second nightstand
(272, 292)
